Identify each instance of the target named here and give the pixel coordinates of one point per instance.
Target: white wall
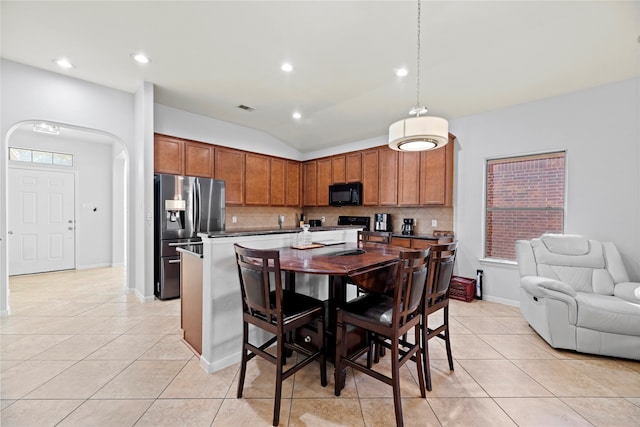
(92, 162)
(183, 124)
(29, 93)
(119, 194)
(599, 129)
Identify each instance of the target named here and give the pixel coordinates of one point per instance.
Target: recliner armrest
(537, 286)
(629, 291)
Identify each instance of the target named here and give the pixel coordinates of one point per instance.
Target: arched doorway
(99, 165)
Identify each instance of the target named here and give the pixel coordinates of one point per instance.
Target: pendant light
(421, 132)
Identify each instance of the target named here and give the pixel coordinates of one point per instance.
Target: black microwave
(345, 194)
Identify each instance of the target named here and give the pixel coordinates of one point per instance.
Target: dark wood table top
(337, 260)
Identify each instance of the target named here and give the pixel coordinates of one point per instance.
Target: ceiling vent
(245, 107)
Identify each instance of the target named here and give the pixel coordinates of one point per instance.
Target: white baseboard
(210, 368)
(141, 297)
(502, 301)
(5, 313)
(118, 264)
(88, 267)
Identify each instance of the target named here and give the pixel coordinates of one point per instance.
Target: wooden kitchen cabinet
(257, 179)
(370, 177)
(436, 175)
(404, 242)
(310, 184)
(408, 178)
(278, 181)
(338, 170)
(292, 196)
(191, 300)
(168, 155)
(353, 167)
(388, 172)
(229, 166)
(198, 159)
(324, 181)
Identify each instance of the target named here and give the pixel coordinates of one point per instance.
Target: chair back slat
(410, 283)
(441, 262)
(259, 273)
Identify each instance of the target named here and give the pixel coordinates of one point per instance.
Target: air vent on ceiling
(245, 107)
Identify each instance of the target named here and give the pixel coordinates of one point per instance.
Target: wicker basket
(462, 288)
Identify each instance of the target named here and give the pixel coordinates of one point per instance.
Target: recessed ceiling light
(64, 63)
(140, 58)
(296, 115)
(401, 72)
(286, 67)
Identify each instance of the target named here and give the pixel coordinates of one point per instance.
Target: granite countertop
(284, 230)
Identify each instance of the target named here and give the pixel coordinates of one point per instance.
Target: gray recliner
(577, 295)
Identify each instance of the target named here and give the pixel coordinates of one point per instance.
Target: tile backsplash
(267, 217)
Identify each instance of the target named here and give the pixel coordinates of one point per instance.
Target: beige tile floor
(78, 351)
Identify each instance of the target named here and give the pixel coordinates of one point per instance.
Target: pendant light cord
(418, 66)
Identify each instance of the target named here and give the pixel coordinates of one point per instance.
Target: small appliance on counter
(315, 222)
(364, 221)
(382, 222)
(408, 226)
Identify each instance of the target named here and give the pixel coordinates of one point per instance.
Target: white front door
(41, 221)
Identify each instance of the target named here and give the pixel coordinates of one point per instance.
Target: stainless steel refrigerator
(184, 207)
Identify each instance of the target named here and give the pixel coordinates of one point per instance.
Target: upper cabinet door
(230, 168)
(309, 188)
(293, 183)
(168, 155)
(353, 168)
(278, 181)
(408, 179)
(257, 179)
(337, 170)
(436, 176)
(198, 159)
(370, 177)
(324, 181)
(388, 177)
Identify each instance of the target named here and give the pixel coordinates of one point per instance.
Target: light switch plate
(434, 222)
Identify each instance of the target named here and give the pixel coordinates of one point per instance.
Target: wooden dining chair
(383, 237)
(389, 318)
(379, 237)
(436, 298)
(266, 305)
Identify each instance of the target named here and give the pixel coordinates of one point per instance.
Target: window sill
(498, 262)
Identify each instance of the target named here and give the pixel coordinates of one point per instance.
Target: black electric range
(363, 221)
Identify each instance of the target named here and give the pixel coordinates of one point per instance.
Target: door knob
(70, 228)
(9, 232)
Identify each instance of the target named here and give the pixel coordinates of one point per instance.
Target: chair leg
(339, 354)
(425, 351)
(243, 362)
(280, 360)
(447, 337)
(395, 378)
(419, 362)
(323, 358)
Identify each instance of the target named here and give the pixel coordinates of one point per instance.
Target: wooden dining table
(339, 262)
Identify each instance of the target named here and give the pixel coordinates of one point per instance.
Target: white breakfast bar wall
(599, 124)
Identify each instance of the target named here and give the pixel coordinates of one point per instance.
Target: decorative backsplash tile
(267, 217)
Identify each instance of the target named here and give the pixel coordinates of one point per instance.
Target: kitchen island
(221, 300)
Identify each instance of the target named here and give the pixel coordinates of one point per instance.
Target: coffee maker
(408, 225)
(382, 222)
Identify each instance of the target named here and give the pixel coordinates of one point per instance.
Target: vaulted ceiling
(208, 57)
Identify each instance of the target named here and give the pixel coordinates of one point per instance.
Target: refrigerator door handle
(196, 206)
